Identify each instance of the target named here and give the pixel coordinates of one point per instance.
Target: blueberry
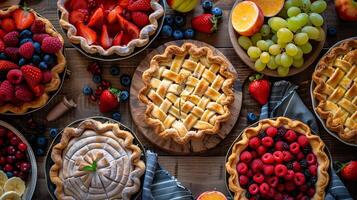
(41, 141)
(179, 21)
(41, 128)
(217, 11)
(3, 56)
(124, 95)
(97, 79)
(116, 116)
(39, 152)
(25, 34)
(166, 31)
(43, 65)
(169, 20)
(37, 47)
(87, 90)
(331, 31)
(207, 5)
(9, 174)
(49, 59)
(178, 34)
(125, 80)
(189, 33)
(114, 70)
(53, 132)
(22, 61)
(251, 117)
(36, 59)
(23, 41)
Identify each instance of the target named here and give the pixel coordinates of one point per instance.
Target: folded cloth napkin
(284, 101)
(159, 184)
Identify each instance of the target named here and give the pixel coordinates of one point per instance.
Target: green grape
(262, 45)
(291, 49)
(271, 64)
(285, 35)
(293, 24)
(293, 11)
(269, 42)
(264, 57)
(316, 19)
(306, 48)
(322, 34)
(254, 52)
(283, 71)
(306, 6)
(303, 19)
(311, 31)
(298, 63)
(278, 23)
(296, 3)
(274, 49)
(286, 60)
(288, 4)
(301, 38)
(256, 37)
(281, 43)
(244, 42)
(278, 59)
(265, 30)
(299, 54)
(259, 65)
(318, 6)
(274, 38)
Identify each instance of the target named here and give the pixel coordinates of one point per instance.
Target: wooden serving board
(137, 109)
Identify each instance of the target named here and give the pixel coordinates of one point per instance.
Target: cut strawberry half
(23, 18)
(105, 40)
(87, 33)
(129, 27)
(126, 39)
(118, 39)
(78, 4)
(80, 15)
(124, 3)
(112, 16)
(97, 18)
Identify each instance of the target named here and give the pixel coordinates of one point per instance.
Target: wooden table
(199, 172)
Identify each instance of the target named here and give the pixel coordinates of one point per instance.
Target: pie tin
(32, 179)
(314, 101)
(48, 160)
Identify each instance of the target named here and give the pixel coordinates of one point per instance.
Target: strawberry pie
(278, 159)
(110, 27)
(31, 60)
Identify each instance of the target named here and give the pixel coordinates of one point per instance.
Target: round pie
(278, 159)
(96, 161)
(187, 91)
(336, 90)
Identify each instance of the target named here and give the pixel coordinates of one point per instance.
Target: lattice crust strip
(187, 92)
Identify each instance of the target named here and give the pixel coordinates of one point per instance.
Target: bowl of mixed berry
(18, 169)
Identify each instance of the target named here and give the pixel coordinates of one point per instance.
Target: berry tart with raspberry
(278, 159)
(31, 60)
(110, 27)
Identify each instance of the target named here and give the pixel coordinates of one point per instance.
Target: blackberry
(289, 165)
(286, 146)
(251, 181)
(307, 174)
(313, 179)
(276, 138)
(281, 131)
(262, 135)
(294, 193)
(248, 195)
(306, 149)
(281, 180)
(303, 163)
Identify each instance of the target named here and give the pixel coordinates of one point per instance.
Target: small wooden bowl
(308, 58)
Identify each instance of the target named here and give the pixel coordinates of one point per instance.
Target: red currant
(22, 146)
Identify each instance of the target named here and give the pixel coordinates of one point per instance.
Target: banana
(10, 196)
(3, 179)
(15, 184)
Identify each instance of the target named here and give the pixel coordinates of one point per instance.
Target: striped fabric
(284, 101)
(159, 184)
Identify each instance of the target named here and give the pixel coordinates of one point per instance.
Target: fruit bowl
(32, 177)
(242, 53)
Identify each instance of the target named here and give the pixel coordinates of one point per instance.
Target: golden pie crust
(315, 142)
(144, 38)
(56, 71)
(119, 167)
(336, 90)
(187, 91)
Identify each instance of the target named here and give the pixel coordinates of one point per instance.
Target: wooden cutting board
(137, 109)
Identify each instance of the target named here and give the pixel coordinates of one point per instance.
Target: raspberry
(294, 148)
(303, 188)
(302, 140)
(271, 131)
(290, 136)
(253, 189)
(14, 76)
(243, 180)
(300, 156)
(313, 170)
(38, 26)
(264, 188)
(12, 52)
(311, 159)
(287, 156)
(289, 186)
(242, 168)
(257, 165)
(51, 45)
(280, 170)
(2, 46)
(250, 173)
(23, 93)
(246, 157)
(26, 50)
(11, 39)
(254, 142)
(279, 145)
(299, 178)
(258, 178)
(261, 150)
(268, 158)
(254, 154)
(289, 175)
(311, 192)
(273, 181)
(6, 91)
(268, 141)
(280, 187)
(278, 196)
(46, 76)
(296, 166)
(39, 37)
(278, 156)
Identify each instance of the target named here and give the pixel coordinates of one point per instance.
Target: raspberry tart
(110, 27)
(278, 159)
(31, 60)
(96, 161)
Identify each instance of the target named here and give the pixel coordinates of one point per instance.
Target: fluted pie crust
(188, 91)
(144, 37)
(56, 70)
(315, 142)
(336, 90)
(118, 160)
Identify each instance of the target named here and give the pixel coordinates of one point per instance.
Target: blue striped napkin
(159, 184)
(284, 101)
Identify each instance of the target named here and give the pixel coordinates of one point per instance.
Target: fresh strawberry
(2, 33)
(129, 27)
(11, 39)
(348, 170)
(108, 100)
(140, 5)
(12, 52)
(2, 46)
(87, 33)
(38, 90)
(23, 93)
(124, 3)
(6, 91)
(51, 45)
(80, 15)
(78, 4)
(141, 19)
(32, 75)
(205, 23)
(26, 50)
(105, 40)
(7, 65)
(23, 18)
(118, 39)
(14, 76)
(259, 88)
(126, 39)
(109, 5)
(8, 24)
(38, 26)
(112, 16)
(94, 3)
(39, 37)
(97, 18)
(46, 76)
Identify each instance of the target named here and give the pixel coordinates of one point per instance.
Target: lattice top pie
(96, 161)
(187, 92)
(336, 90)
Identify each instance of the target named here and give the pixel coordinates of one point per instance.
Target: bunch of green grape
(284, 39)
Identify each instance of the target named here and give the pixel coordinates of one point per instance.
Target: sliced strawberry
(78, 4)
(105, 40)
(80, 15)
(112, 16)
(8, 24)
(110, 4)
(23, 18)
(140, 5)
(97, 18)
(118, 39)
(2, 33)
(87, 33)
(126, 39)
(129, 27)
(123, 3)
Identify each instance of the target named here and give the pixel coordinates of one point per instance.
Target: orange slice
(270, 8)
(247, 18)
(212, 195)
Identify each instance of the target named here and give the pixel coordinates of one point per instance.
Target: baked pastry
(336, 90)
(278, 159)
(31, 59)
(187, 91)
(110, 27)
(96, 161)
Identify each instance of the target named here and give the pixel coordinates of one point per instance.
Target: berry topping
(242, 168)
(271, 131)
(258, 178)
(264, 188)
(268, 158)
(257, 165)
(268, 141)
(253, 189)
(299, 178)
(261, 150)
(26, 50)
(278, 156)
(311, 159)
(40, 37)
(246, 156)
(254, 142)
(290, 136)
(6, 91)
(294, 148)
(11, 39)
(243, 180)
(280, 170)
(302, 140)
(51, 45)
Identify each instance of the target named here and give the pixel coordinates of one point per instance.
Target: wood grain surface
(198, 173)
